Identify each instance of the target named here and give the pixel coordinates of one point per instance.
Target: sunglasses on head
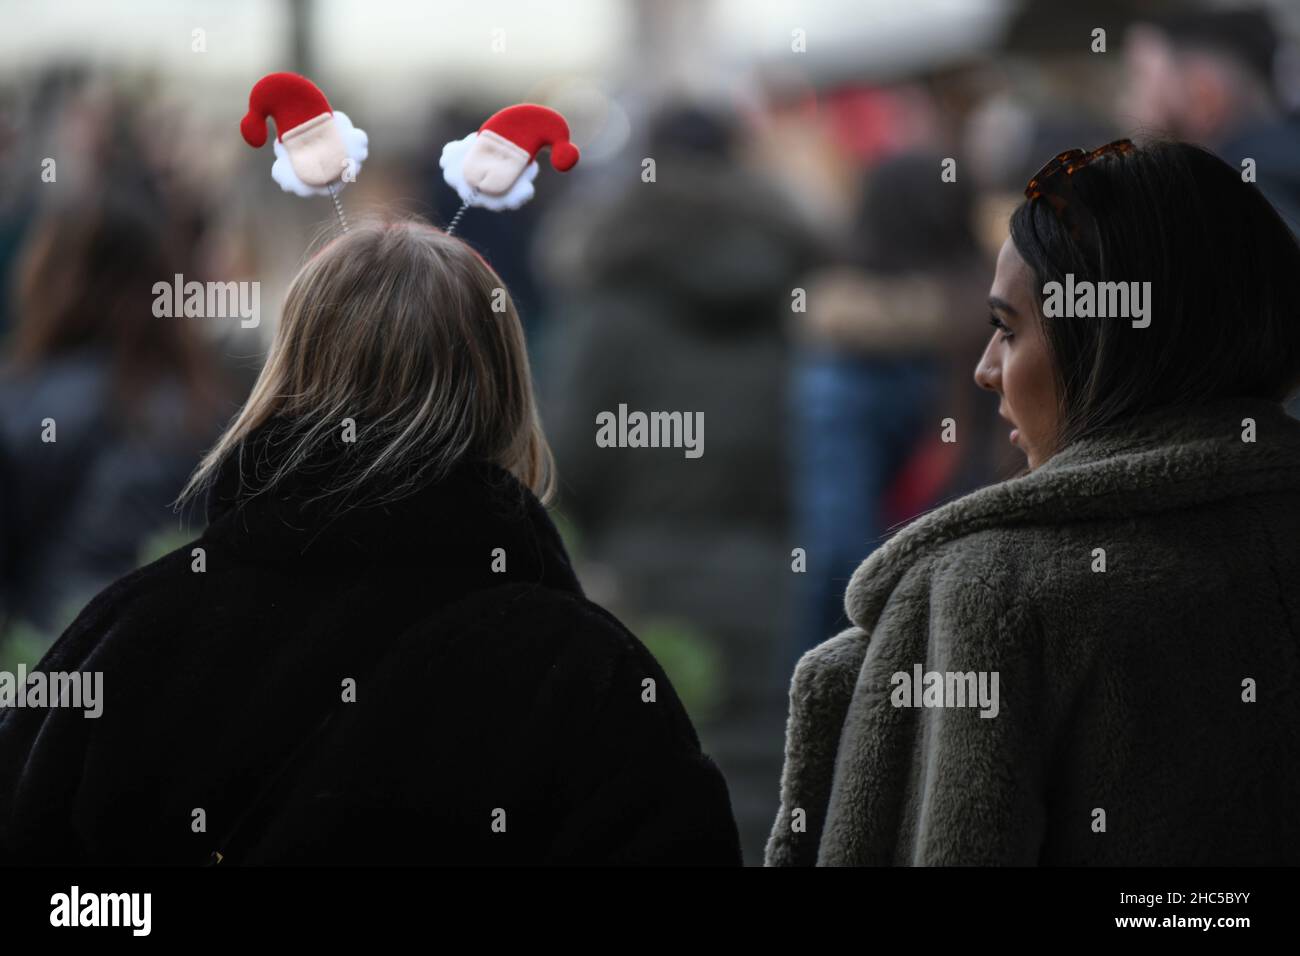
(1051, 183)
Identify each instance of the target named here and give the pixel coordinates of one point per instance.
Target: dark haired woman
(1097, 662)
(103, 407)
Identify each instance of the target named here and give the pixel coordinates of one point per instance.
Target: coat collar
(1173, 458)
(451, 525)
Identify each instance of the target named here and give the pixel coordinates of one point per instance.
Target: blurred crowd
(797, 267)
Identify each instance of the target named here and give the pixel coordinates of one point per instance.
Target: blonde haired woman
(377, 651)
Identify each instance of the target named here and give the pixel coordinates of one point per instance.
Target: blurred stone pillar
(301, 54)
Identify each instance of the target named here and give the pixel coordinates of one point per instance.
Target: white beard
(355, 141)
(452, 162)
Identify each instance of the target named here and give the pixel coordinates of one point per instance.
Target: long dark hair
(1224, 270)
(86, 283)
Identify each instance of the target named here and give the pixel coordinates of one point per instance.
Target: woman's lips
(1015, 432)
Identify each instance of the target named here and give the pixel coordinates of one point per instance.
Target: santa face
(316, 150)
(455, 163)
(493, 163)
(325, 150)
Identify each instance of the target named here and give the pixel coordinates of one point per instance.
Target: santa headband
(494, 167)
(318, 150)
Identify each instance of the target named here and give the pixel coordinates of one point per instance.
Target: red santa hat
(494, 167)
(291, 100)
(530, 127)
(318, 143)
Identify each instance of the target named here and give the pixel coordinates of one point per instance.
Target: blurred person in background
(386, 656)
(1125, 611)
(879, 341)
(1208, 76)
(103, 406)
(678, 304)
(49, 116)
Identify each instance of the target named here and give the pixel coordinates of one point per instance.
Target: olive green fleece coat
(1121, 736)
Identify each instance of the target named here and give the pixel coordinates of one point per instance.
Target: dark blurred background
(796, 268)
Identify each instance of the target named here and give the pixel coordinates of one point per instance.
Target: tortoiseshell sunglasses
(1048, 184)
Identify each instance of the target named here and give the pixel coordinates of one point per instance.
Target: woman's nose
(988, 374)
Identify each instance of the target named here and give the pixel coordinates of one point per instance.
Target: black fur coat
(499, 716)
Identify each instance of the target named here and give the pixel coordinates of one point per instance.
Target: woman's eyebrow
(1002, 305)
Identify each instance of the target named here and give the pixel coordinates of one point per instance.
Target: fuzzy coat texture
(1119, 690)
(475, 691)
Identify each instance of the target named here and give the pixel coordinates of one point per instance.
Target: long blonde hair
(409, 333)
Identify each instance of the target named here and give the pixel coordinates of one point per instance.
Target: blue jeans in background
(855, 420)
